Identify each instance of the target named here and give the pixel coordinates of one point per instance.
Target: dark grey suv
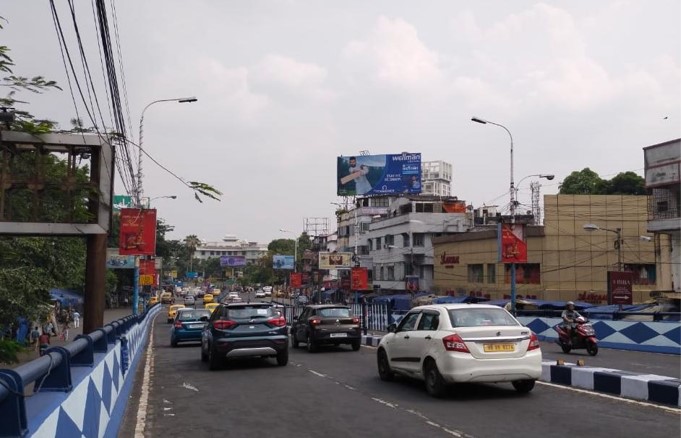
(330, 324)
(244, 330)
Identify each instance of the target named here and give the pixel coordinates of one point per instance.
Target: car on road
(207, 298)
(444, 344)
(244, 330)
(188, 325)
(211, 306)
(233, 296)
(189, 300)
(153, 300)
(167, 298)
(260, 293)
(329, 324)
(267, 290)
(172, 311)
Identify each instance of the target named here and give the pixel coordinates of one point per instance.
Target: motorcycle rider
(569, 316)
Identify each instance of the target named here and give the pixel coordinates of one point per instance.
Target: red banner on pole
(359, 279)
(513, 248)
(296, 279)
(148, 267)
(620, 287)
(138, 232)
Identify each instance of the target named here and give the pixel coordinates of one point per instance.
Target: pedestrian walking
(76, 319)
(35, 334)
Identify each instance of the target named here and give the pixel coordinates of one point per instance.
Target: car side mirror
(392, 328)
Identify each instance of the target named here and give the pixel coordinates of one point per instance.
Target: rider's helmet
(569, 303)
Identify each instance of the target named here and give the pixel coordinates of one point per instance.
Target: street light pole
(513, 207)
(141, 141)
(618, 242)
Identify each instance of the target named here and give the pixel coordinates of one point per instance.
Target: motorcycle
(583, 336)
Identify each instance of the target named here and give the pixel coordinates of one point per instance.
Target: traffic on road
(481, 365)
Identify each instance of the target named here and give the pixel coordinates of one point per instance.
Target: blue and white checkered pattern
(656, 337)
(88, 409)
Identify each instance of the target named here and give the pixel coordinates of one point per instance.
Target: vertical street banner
(148, 268)
(512, 245)
(620, 287)
(411, 283)
(359, 279)
(296, 280)
(138, 232)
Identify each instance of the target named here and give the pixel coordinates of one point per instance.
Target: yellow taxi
(172, 311)
(208, 298)
(153, 300)
(211, 306)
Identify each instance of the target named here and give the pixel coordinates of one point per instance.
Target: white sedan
(260, 293)
(450, 343)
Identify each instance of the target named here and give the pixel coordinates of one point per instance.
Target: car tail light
(315, 321)
(355, 320)
(224, 324)
(278, 321)
(178, 324)
(455, 343)
(534, 342)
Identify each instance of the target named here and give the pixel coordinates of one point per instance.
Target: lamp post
(141, 140)
(618, 242)
(295, 251)
(148, 200)
(512, 193)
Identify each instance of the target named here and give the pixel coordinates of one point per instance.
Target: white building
(231, 246)
(436, 178)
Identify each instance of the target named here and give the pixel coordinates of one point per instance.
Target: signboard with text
(121, 201)
(137, 232)
(296, 280)
(620, 287)
(335, 260)
(359, 279)
(512, 245)
(379, 174)
(232, 261)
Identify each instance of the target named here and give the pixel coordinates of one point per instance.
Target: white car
(260, 293)
(450, 343)
(233, 296)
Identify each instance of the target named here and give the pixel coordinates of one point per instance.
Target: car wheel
(384, 370)
(356, 345)
(294, 341)
(311, 346)
(435, 384)
(523, 386)
(214, 362)
(204, 355)
(282, 358)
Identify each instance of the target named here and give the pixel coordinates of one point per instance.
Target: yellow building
(565, 260)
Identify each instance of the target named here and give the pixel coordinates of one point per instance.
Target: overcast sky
(285, 86)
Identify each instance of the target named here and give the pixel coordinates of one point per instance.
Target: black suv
(326, 324)
(244, 330)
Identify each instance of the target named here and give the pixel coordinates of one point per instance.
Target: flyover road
(337, 392)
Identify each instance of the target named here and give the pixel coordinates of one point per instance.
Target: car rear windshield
(193, 315)
(334, 312)
(247, 312)
(480, 317)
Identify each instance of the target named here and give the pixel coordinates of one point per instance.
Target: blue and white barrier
(84, 390)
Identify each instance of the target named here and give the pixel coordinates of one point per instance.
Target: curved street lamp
(618, 242)
(141, 139)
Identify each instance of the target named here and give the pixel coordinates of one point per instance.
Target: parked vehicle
(188, 325)
(244, 330)
(444, 344)
(583, 337)
(326, 324)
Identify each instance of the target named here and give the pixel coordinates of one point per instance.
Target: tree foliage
(588, 182)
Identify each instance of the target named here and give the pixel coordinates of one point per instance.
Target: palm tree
(191, 242)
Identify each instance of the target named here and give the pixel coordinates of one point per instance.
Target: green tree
(583, 182)
(191, 242)
(626, 183)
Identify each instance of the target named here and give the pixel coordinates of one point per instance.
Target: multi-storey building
(231, 246)
(436, 178)
(663, 181)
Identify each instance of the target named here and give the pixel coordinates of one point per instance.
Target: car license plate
(195, 326)
(494, 348)
(339, 335)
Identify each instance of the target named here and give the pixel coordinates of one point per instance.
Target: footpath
(31, 353)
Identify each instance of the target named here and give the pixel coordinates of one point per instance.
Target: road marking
(612, 397)
(143, 406)
(188, 386)
(383, 402)
(317, 374)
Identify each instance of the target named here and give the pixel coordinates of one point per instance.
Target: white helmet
(570, 303)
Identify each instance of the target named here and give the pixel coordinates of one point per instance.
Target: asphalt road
(337, 392)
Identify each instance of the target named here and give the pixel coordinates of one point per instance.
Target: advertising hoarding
(296, 280)
(232, 261)
(282, 261)
(359, 279)
(620, 287)
(411, 283)
(335, 260)
(512, 245)
(379, 174)
(138, 232)
(116, 261)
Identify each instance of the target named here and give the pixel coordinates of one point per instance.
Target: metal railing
(52, 371)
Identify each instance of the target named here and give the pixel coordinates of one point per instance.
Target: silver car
(189, 300)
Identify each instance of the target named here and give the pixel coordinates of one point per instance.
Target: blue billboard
(282, 262)
(232, 261)
(388, 174)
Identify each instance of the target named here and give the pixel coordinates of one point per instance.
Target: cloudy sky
(285, 86)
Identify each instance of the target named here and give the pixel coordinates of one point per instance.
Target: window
(391, 273)
(429, 321)
(381, 272)
(379, 202)
(378, 243)
(371, 245)
(389, 239)
(418, 239)
(408, 322)
(364, 227)
(644, 274)
(491, 273)
(526, 273)
(335, 312)
(481, 317)
(475, 273)
(405, 240)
